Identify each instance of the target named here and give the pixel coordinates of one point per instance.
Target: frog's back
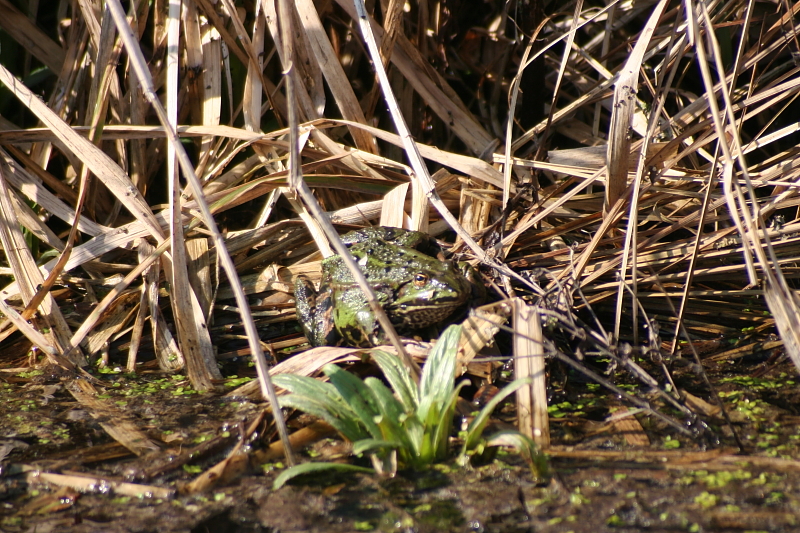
(422, 242)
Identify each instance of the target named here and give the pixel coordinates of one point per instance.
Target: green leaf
(441, 427)
(436, 382)
(386, 402)
(398, 377)
(416, 435)
(307, 386)
(315, 468)
(348, 425)
(392, 418)
(324, 401)
(357, 396)
(374, 445)
(477, 426)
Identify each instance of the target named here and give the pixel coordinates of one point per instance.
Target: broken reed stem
(529, 362)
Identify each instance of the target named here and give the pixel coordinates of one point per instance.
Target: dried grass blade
(308, 363)
(577, 103)
(783, 302)
(625, 89)
(253, 88)
(60, 188)
(34, 224)
(212, 82)
(392, 26)
(28, 277)
(617, 182)
(623, 422)
(95, 159)
(30, 333)
(200, 85)
(111, 323)
(199, 271)
(514, 92)
(108, 52)
(249, 54)
(471, 166)
(105, 303)
(603, 268)
(31, 186)
(300, 439)
(332, 69)
(234, 465)
(141, 315)
(414, 68)
(34, 40)
(479, 329)
(392, 213)
(94, 248)
(168, 354)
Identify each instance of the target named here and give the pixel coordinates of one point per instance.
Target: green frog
(412, 282)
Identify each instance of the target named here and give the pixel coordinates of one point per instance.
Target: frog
(406, 269)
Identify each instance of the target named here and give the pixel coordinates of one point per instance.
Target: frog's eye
(420, 279)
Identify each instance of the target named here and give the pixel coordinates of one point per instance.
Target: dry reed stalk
(529, 353)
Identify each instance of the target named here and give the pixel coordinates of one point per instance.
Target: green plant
(410, 426)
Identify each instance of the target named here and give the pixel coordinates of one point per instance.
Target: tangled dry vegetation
(637, 159)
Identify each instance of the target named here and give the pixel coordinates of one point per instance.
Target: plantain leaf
(307, 386)
(399, 379)
(392, 418)
(349, 426)
(436, 382)
(324, 398)
(374, 446)
(358, 396)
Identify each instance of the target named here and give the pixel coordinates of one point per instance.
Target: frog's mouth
(420, 314)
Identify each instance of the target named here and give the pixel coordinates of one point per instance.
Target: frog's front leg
(315, 313)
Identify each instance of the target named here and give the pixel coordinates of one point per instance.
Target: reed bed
(161, 165)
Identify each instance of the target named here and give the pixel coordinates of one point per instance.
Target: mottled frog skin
(413, 284)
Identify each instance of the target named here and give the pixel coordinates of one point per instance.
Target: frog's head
(429, 296)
